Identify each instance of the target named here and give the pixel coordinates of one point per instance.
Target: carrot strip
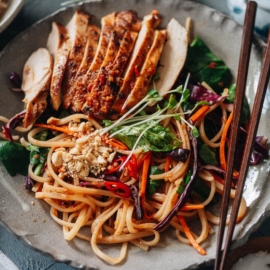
(190, 236)
(222, 157)
(167, 164)
(63, 129)
(145, 169)
(144, 178)
(188, 207)
(117, 144)
(199, 114)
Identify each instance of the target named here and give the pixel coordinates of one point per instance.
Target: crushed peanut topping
(90, 156)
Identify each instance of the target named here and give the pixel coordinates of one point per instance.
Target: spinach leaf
(154, 185)
(245, 113)
(185, 181)
(157, 138)
(37, 154)
(207, 155)
(205, 66)
(15, 157)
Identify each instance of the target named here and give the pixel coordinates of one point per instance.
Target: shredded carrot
(222, 157)
(117, 144)
(63, 129)
(188, 207)
(167, 164)
(199, 114)
(190, 236)
(140, 161)
(40, 188)
(145, 169)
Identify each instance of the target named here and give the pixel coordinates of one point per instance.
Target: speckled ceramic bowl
(253, 246)
(34, 225)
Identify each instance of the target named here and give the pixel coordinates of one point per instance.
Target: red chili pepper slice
(133, 167)
(220, 180)
(120, 161)
(118, 188)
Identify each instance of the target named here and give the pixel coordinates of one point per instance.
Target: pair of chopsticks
(254, 122)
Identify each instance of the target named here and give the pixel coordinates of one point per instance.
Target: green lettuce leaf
(157, 138)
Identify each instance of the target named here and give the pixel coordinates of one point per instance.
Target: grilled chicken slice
(90, 51)
(103, 100)
(59, 46)
(36, 80)
(125, 21)
(141, 49)
(146, 73)
(77, 28)
(173, 57)
(107, 24)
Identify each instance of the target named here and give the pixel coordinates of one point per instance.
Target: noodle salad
(159, 164)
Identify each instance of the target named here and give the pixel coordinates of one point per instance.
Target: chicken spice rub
(105, 72)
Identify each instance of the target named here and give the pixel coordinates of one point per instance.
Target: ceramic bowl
(253, 247)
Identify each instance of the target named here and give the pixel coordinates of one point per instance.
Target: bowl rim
(252, 246)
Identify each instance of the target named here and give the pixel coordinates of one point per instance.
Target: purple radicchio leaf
(110, 177)
(259, 144)
(254, 158)
(212, 168)
(14, 122)
(29, 182)
(15, 79)
(185, 195)
(85, 184)
(137, 202)
(199, 93)
(215, 169)
(179, 154)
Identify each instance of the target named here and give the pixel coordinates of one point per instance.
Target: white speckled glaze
(223, 36)
(237, 11)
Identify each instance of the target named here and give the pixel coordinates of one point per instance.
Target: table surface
(21, 256)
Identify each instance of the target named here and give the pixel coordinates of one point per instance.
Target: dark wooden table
(22, 256)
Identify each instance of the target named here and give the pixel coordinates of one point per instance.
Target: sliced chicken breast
(104, 99)
(36, 80)
(79, 86)
(147, 72)
(173, 57)
(59, 46)
(125, 21)
(107, 24)
(141, 49)
(77, 29)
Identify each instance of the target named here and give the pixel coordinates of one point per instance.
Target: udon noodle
(109, 216)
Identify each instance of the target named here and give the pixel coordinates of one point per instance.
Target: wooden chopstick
(240, 93)
(254, 123)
